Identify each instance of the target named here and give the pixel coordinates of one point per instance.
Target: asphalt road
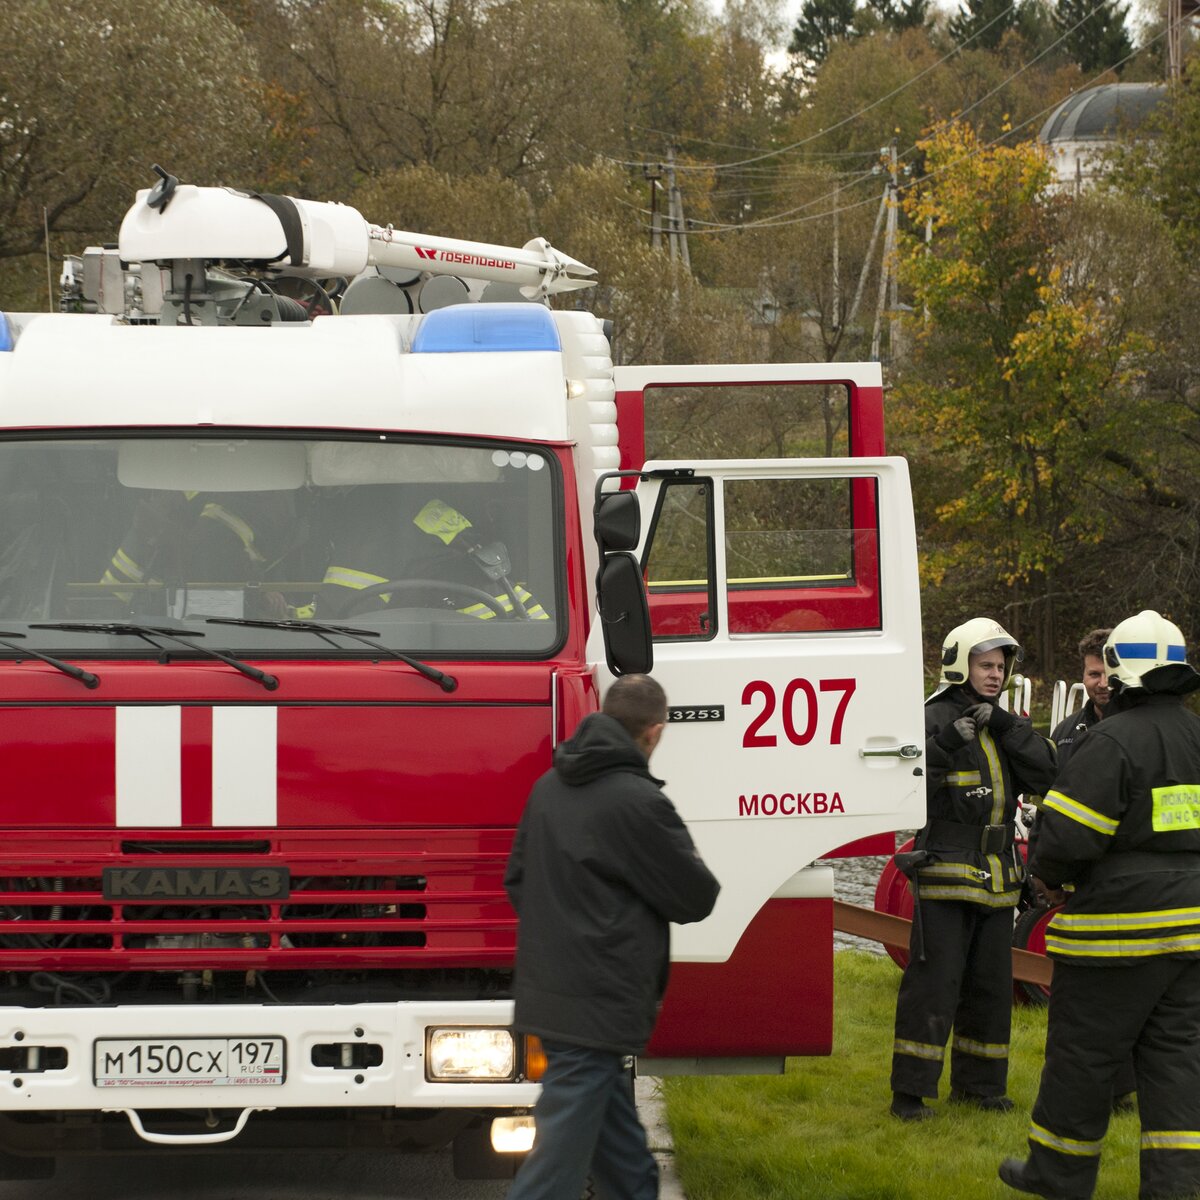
(339, 1176)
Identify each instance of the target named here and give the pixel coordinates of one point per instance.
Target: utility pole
(653, 173)
(889, 247)
(1174, 40)
(862, 276)
(835, 306)
(678, 230)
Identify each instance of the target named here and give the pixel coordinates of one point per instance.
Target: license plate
(189, 1062)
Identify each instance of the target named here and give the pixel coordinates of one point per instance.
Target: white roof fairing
(69, 371)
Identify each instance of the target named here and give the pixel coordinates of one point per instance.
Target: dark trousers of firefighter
(1098, 1015)
(964, 985)
(586, 1124)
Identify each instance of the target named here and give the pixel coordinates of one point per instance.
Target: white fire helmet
(974, 637)
(1141, 644)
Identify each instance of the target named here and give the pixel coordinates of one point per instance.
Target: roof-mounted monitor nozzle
(318, 240)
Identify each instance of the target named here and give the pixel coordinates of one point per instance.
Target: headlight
(487, 1053)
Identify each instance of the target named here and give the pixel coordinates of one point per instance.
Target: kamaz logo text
(182, 883)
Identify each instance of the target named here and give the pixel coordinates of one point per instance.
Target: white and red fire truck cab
(293, 613)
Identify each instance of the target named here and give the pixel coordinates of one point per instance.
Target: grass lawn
(822, 1130)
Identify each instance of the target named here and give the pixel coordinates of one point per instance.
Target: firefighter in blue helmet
(966, 878)
(1122, 824)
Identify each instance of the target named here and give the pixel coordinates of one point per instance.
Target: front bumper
(398, 1080)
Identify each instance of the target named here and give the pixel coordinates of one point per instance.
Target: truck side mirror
(620, 589)
(618, 521)
(624, 615)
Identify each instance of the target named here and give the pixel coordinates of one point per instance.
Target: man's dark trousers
(964, 985)
(1098, 1014)
(586, 1125)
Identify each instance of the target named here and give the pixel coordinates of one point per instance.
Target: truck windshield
(437, 548)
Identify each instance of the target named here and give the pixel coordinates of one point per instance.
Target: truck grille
(402, 900)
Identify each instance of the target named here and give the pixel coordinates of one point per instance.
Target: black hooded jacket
(600, 865)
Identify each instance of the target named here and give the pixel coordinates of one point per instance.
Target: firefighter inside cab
(966, 879)
(369, 546)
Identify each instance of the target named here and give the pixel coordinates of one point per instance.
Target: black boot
(999, 1104)
(909, 1108)
(1014, 1172)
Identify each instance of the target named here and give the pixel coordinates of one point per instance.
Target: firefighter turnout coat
(1122, 823)
(972, 794)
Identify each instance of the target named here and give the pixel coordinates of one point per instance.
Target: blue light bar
(6, 337)
(475, 328)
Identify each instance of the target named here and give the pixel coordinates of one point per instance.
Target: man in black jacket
(1070, 729)
(967, 879)
(1123, 824)
(600, 866)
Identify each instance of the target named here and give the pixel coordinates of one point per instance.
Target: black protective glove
(991, 716)
(957, 734)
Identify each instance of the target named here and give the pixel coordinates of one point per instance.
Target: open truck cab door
(784, 624)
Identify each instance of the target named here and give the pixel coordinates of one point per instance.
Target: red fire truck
(294, 608)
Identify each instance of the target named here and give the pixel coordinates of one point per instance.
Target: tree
(983, 23)
(92, 93)
(822, 23)
(1096, 35)
(462, 85)
(1022, 384)
(899, 15)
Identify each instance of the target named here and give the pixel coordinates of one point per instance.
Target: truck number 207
(799, 711)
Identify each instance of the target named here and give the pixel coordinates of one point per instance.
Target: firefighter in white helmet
(1122, 823)
(966, 879)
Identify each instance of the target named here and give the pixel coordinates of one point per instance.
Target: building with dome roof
(1086, 123)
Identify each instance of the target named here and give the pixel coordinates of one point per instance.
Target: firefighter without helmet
(974, 637)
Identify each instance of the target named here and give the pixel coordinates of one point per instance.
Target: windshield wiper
(150, 632)
(447, 683)
(85, 677)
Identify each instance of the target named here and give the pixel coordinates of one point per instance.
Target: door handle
(908, 751)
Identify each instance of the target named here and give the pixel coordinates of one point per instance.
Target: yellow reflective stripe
(347, 577)
(1171, 1139)
(1119, 947)
(971, 894)
(441, 521)
(478, 610)
(1064, 1145)
(126, 565)
(1080, 812)
(963, 778)
(919, 1050)
(1162, 918)
(1176, 807)
(231, 521)
(303, 612)
(954, 871)
(980, 1049)
(993, 761)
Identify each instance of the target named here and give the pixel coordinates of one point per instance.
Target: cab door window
(678, 563)
(802, 555)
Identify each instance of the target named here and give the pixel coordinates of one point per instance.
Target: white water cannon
(173, 222)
